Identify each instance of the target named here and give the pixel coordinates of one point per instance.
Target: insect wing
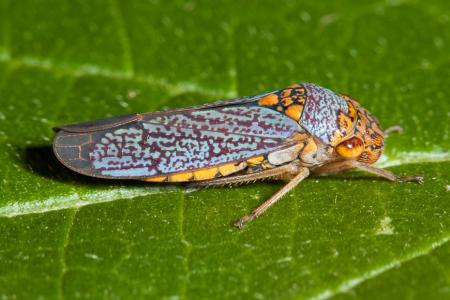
(153, 144)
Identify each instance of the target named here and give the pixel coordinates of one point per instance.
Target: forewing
(117, 121)
(142, 146)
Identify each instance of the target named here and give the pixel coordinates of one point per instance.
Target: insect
(283, 135)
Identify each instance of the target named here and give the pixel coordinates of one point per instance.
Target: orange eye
(350, 148)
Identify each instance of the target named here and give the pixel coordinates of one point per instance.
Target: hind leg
(302, 174)
(281, 172)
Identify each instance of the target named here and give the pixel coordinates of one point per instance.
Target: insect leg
(345, 165)
(393, 129)
(280, 172)
(386, 174)
(334, 167)
(303, 173)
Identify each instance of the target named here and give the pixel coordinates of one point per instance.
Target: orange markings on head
(344, 121)
(374, 144)
(268, 100)
(353, 106)
(361, 124)
(294, 112)
(351, 110)
(350, 148)
(366, 130)
(351, 99)
(376, 128)
(369, 157)
(378, 141)
(280, 108)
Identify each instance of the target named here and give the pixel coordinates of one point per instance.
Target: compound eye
(350, 148)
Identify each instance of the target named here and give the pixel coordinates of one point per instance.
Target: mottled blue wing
(152, 144)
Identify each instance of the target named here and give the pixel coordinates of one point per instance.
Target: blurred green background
(341, 237)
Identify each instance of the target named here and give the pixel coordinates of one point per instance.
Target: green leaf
(346, 236)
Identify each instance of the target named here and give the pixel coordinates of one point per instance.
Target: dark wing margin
(97, 125)
(117, 121)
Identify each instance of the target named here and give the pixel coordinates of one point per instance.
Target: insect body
(284, 134)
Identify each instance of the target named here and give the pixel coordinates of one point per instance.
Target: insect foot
(417, 179)
(247, 218)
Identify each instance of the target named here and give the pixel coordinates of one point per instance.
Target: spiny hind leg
(282, 172)
(302, 174)
(345, 165)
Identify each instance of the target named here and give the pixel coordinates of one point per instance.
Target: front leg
(386, 174)
(353, 164)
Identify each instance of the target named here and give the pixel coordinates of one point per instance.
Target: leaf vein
(96, 70)
(123, 36)
(65, 243)
(351, 283)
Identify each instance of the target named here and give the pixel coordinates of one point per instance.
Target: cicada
(285, 134)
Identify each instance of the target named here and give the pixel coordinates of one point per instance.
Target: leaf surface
(345, 236)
